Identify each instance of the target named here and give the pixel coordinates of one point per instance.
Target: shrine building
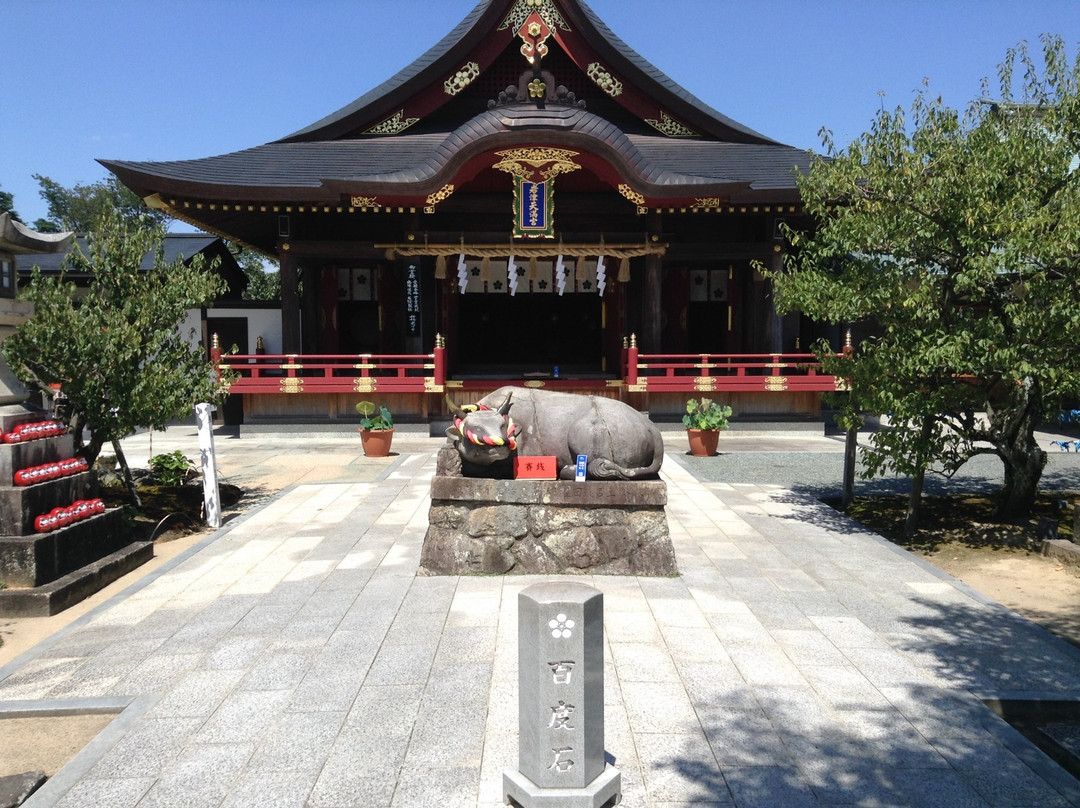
(530, 202)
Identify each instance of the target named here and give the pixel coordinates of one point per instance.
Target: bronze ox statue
(620, 442)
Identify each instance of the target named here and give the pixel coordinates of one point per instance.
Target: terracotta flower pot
(376, 442)
(703, 441)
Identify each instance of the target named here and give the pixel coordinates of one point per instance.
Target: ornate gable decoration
(393, 125)
(534, 33)
(534, 171)
(434, 199)
(670, 127)
(523, 9)
(604, 80)
(462, 79)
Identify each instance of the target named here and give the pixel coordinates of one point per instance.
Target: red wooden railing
(426, 373)
(337, 373)
(735, 373)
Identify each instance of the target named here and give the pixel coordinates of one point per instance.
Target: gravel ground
(820, 473)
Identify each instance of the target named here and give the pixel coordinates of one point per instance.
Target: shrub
(172, 468)
(706, 414)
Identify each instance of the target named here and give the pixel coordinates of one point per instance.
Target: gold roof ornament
(395, 124)
(544, 9)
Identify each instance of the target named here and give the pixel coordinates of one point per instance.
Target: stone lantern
(17, 239)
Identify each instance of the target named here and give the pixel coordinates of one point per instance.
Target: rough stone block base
(495, 527)
(52, 598)
(605, 790)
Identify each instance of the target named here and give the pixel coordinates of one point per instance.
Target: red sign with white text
(542, 467)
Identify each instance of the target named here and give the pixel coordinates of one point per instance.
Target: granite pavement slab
(295, 658)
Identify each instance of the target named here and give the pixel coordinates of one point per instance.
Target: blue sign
(533, 206)
(582, 465)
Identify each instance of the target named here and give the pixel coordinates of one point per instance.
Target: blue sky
(168, 80)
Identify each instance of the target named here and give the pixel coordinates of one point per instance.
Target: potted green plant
(703, 421)
(376, 429)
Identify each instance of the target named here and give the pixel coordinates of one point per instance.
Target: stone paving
(295, 659)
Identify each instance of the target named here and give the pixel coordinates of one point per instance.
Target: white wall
(193, 320)
(262, 322)
(265, 323)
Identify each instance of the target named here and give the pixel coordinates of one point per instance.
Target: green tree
(116, 348)
(80, 207)
(264, 279)
(7, 205)
(957, 236)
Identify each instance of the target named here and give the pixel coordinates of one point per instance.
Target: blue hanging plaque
(533, 206)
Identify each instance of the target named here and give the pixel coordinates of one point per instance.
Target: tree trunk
(129, 481)
(88, 451)
(850, 448)
(914, 508)
(914, 505)
(1020, 453)
(1024, 462)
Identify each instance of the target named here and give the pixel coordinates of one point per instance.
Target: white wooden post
(211, 499)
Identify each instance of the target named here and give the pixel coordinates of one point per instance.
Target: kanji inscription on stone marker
(562, 672)
(561, 758)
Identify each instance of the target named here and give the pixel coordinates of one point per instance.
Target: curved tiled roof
(174, 246)
(421, 163)
(433, 55)
(471, 30)
(661, 78)
(764, 166)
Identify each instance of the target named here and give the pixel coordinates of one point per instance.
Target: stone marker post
(561, 760)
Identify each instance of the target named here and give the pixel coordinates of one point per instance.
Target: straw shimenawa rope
(519, 250)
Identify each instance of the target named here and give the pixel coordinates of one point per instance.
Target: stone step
(76, 586)
(14, 415)
(17, 456)
(41, 558)
(20, 505)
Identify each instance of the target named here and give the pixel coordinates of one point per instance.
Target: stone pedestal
(561, 758)
(44, 573)
(493, 527)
